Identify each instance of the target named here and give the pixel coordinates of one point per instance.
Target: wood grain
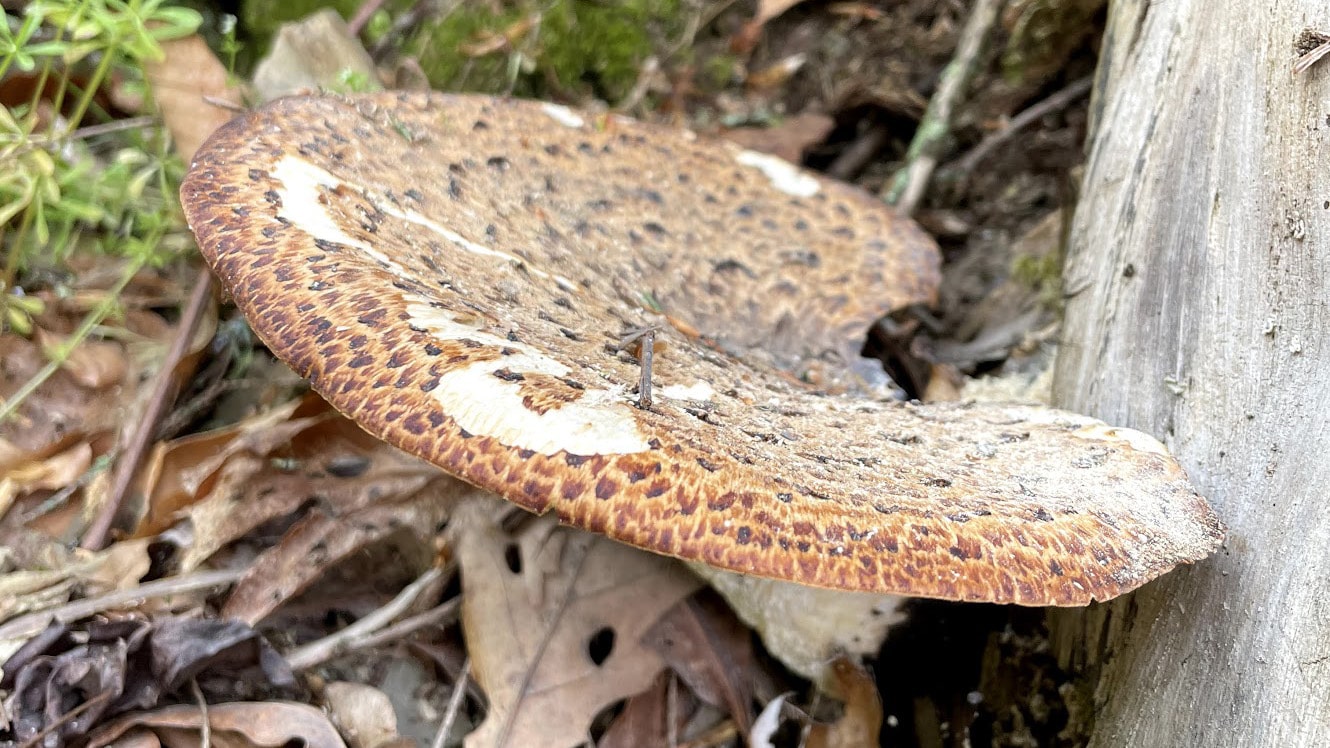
(1199, 264)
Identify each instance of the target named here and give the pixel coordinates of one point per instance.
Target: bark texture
(1199, 274)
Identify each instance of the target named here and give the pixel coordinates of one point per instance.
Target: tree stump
(1199, 311)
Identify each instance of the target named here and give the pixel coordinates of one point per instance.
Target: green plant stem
(58, 100)
(5, 63)
(905, 189)
(12, 258)
(61, 354)
(103, 69)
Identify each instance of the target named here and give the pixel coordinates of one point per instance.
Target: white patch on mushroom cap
(784, 175)
(698, 390)
(562, 114)
(600, 422)
(1137, 440)
(303, 207)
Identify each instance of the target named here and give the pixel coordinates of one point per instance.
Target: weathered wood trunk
(1199, 275)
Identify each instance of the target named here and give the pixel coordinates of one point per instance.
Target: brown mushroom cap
(456, 274)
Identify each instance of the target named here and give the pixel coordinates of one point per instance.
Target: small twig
(322, 650)
(411, 624)
(454, 706)
(414, 15)
(672, 711)
(645, 75)
(221, 103)
(205, 729)
(1057, 101)
(30, 625)
(365, 12)
(706, 13)
(132, 123)
(906, 188)
(1306, 61)
(852, 160)
(158, 401)
(65, 718)
(58, 498)
(646, 353)
(645, 337)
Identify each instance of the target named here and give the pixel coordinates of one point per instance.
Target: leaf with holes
(553, 620)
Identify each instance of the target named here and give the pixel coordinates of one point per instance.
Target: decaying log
(1199, 311)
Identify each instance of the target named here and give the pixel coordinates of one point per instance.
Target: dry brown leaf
(93, 364)
(362, 713)
(318, 542)
(643, 721)
(113, 666)
(179, 472)
(861, 723)
(748, 35)
(227, 482)
(788, 140)
(187, 74)
(58, 414)
(857, 11)
(532, 631)
(769, 9)
(51, 574)
(84, 402)
(236, 725)
(31, 590)
(711, 652)
(51, 473)
(119, 567)
(771, 77)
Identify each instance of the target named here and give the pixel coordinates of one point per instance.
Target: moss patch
(561, 48)
(1042, 274)
(261, 18)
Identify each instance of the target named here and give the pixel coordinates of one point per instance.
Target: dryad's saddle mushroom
(459, 274)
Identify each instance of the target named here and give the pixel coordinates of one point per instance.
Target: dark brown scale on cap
(446, 297)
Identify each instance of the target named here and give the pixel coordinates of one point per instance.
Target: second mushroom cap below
(456, 274)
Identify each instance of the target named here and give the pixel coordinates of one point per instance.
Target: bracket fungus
(458, 273)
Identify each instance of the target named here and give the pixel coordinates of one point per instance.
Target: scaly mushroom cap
(457, 273)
